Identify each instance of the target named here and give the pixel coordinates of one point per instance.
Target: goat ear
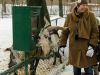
(50, 28)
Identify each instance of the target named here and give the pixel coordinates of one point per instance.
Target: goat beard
(45, 44)
(55, 40)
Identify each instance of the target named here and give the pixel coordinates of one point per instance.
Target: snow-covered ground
(5, 41)
(5, 32)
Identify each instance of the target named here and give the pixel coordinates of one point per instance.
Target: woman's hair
(79, 2)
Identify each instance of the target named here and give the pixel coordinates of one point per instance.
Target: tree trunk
(60, 8)
(73, 0)
(44, 7)
(89, 1)
(13, 2)
(4, 6)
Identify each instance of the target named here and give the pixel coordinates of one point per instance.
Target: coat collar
(76, 15)
(81, 20)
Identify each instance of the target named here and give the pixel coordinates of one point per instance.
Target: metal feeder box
(26, 27)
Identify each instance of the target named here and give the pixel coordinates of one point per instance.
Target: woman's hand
(90, 51)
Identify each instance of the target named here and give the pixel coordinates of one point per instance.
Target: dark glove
(61, 45)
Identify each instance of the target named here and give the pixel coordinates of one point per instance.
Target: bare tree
(60, 8)
(4, 6)
(73, 0)
(44, 13)
(44, 8)
(13, 2)
(89, 1)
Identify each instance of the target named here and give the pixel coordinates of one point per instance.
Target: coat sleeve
(65, 33)
(94, 37)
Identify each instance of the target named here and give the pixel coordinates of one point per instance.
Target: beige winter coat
(88, 34)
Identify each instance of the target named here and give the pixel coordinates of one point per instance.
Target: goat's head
(49, 38)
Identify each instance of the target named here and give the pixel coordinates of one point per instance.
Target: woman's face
(82, 8)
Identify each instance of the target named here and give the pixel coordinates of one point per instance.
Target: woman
(83, 37)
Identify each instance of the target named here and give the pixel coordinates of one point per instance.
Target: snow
(5, 42)
(60, 20)
(3, 60)
(5, 32)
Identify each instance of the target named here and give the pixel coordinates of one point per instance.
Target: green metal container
(26, 27)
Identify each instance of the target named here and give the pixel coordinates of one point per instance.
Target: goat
(48, 41)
